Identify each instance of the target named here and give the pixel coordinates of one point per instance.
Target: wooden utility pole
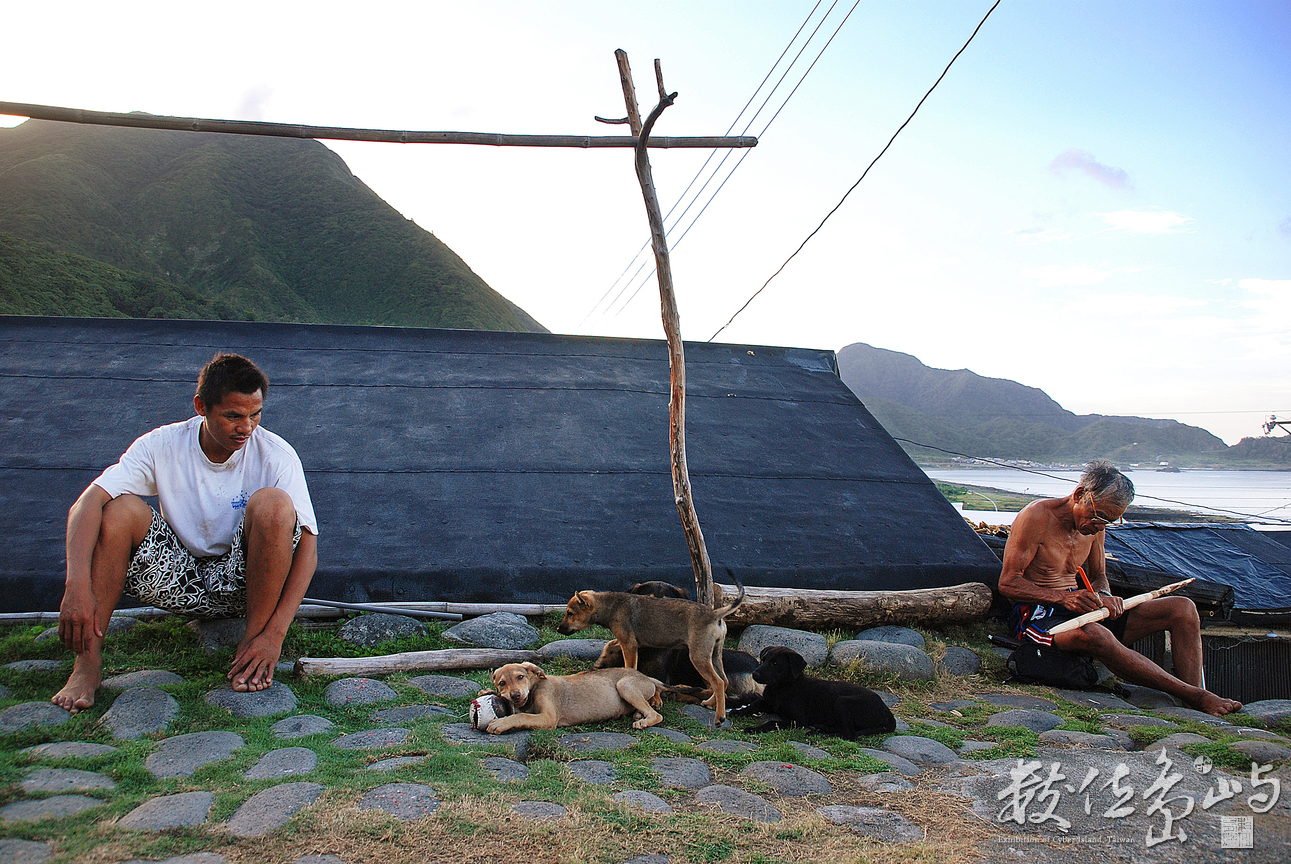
(671, 326)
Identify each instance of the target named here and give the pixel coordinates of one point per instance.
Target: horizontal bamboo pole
(413, 661)
(346, 133)
(308, 610)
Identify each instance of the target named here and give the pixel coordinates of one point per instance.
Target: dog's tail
(739, 598)
(683, 692)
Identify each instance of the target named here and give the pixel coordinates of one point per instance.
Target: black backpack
(1037, 664)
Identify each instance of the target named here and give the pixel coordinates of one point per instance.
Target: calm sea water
(1262, 495)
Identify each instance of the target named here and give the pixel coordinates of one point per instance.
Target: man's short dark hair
(229, 373)
(1106, 483)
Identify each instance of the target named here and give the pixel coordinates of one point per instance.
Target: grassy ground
(475, 821)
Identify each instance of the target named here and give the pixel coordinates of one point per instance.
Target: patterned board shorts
(163, 573)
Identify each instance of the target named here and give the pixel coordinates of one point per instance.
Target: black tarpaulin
(1257, 568)
(483, 466)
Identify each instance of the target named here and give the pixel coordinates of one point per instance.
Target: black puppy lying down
(838, 708)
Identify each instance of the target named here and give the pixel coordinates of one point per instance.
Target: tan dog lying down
(543, 701)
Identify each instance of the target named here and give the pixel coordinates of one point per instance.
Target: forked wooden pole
(671, 327)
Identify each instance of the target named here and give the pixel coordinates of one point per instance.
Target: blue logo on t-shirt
(240, 502)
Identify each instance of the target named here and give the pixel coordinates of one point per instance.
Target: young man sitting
(236, 535)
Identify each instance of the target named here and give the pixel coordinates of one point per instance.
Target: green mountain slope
(268, 229)
(962, 412)
(37, 279)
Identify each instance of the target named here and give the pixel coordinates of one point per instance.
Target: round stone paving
(406, 801)
(69, 749)
(1036, 721)
(283, 762)
(647, 801)
(737, 802)
(58, 807)
(183, 754)
(272, 808)
(24, 852)
(923, 751)
(357, 691)
(277, 698)
(299, 727)
(142, 678)
(27, 715)
(140, 711)
(586, 742)
(506, 770)
(65, 780)
(789, 779)
(446, 685)
(540, 810)
(35, 665)
(593, 771)
(809, 751)
(880, 824)
(170, 811)
(682, 772)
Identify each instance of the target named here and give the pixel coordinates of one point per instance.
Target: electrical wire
(711, 153)
(746, 153)
(1067, 479)
(863, 174)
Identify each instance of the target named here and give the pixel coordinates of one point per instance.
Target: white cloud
(1075, 159)
(1146, 221)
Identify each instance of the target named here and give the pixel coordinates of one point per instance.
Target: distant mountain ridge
(961, 411)
(262, 228)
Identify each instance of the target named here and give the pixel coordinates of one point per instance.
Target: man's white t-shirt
(204, 501)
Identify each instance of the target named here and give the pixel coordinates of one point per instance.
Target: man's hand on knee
(78, 619)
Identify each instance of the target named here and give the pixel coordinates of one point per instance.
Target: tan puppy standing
(637, 621)
(543, 701)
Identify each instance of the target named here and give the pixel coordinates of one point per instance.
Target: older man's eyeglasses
(1098, 521)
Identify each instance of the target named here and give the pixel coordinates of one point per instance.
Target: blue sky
(1096, 201)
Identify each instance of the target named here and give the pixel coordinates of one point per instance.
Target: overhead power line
(1137, 496)
(648, 261)
(864, 173)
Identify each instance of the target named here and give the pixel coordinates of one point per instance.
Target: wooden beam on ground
(413, 661)
(809, 609)
(140, 120)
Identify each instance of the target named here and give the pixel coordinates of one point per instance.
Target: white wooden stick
(1130, 603)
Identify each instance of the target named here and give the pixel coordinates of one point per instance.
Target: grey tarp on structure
(1257, 568)
(467, 465)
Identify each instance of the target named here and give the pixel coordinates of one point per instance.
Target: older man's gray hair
(1102, 479)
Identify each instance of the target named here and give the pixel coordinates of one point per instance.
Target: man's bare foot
(1216, 705)
(254, 664)
(78, 693)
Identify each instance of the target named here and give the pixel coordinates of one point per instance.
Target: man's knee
(271, 509)
(126, 516)
(1090, 639)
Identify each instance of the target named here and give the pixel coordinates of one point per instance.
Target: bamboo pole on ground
(671, 326)
(413, 661)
